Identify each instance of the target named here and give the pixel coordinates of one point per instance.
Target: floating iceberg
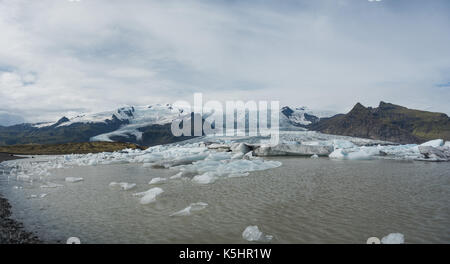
(194, 207)
(157, 180)
(252, 233)
(124, 186)
(433, 143)
(176, 176)
(150, 195)
(73, 179)
(393, 238)
(51, 185)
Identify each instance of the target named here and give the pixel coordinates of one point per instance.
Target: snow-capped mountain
(145, 125)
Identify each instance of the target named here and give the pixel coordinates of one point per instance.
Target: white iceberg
(194, 207)
(150, 195)
(252, 233)
(124, 186)
(176, 176)
(157, 180)
(51, 185)
(73, 179)
(433, 143)
(393, 238)
(206, 178)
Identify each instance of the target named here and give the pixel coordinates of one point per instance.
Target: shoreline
(8, 156)
(12, 231)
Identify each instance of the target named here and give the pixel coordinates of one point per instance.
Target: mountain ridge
(387, 122)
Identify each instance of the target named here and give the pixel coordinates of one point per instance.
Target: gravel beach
(11, 231)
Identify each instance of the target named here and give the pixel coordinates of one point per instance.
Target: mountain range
(150, 125)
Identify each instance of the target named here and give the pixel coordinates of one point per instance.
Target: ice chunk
(393, 238)
(435, 153)
(191, 208)
(433, 143)
(252, 233)
(157, 180)
(125, 186)
(150, 195)
(73, 179)
(447, 144)
(206, 178)
(51, 185)
(315, 156)
(43, 195)
(337, 154)
(176, 176)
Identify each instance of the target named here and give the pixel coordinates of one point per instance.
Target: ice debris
(157, 180)
(393, 238)
(150, 195)
(193, 207)
(252, 233)
(73, 179)
(124, 186)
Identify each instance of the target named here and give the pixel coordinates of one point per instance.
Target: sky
(60, 57)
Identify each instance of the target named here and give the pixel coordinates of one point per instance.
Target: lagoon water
(303, 201)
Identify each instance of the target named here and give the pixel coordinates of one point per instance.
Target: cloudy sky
(61, 57)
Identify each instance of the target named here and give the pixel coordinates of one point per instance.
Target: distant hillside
(387, 122)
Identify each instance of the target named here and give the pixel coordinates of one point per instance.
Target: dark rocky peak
(287, 111)
(61, 121)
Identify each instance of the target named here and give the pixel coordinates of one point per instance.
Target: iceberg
(51, 185)
(194, 207)
(149, 196)
(206, 178)
(124, 186)
(157, 180)
(73, 179)
(176, 176)
(433, 143)
(252, 233)
(393, 238)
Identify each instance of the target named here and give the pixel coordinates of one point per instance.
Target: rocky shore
(11, 231)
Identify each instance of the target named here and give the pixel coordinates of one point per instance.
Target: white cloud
(60, 56)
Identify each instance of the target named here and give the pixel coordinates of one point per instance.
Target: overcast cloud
(59, 57)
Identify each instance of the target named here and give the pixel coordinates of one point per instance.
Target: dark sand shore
(7, 156)
(11, 231)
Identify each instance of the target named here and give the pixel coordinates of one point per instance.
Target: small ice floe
(18, 187)
(194, 207)
(157, 180)
(315, 156)
(393, 238)
(176, 176)
(43, 195)
(150, 195)
(51, 185)
(252, 233)
(205, 178)
(33, 196)
(124, 186)
(74, 179)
